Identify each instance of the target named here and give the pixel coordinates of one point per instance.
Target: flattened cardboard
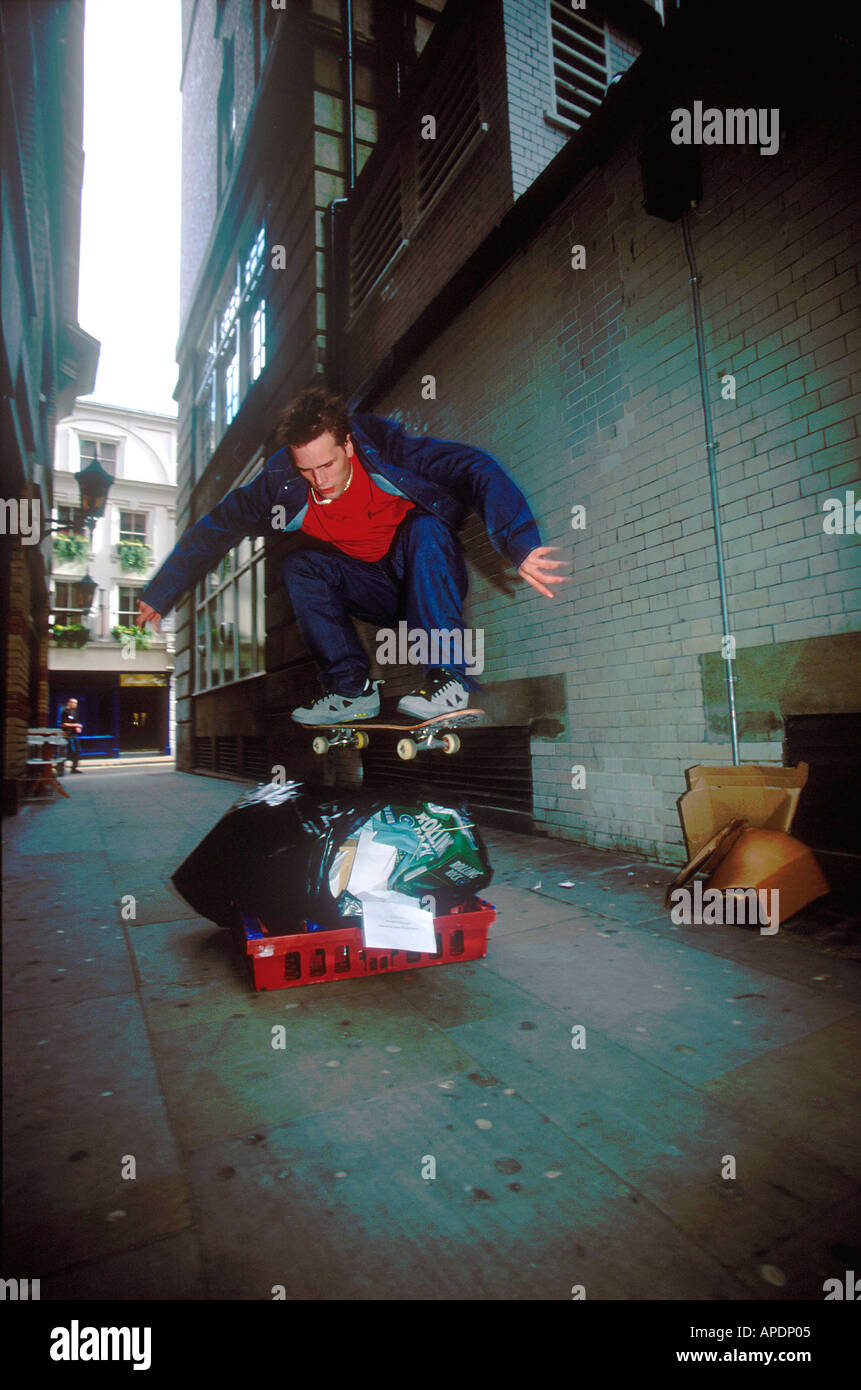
(766, 797)
(711, 853)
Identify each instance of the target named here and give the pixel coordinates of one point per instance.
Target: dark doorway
(142, 719)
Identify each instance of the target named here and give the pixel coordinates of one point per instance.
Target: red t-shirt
(362, 521)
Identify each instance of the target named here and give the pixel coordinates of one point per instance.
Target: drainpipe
(350, 102)
(711, 448)
(333, 278)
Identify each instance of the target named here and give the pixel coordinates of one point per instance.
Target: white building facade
(121, 680)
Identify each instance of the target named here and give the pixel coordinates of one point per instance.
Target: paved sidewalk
(138, 1047)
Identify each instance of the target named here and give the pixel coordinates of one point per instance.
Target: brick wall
(585, 385)
(529, 66)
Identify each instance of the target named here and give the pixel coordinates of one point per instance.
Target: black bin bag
(270, 855)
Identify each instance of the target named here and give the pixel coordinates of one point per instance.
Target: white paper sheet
(395, 920)
(372, 865)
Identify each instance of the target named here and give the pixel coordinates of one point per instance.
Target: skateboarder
(379, 508)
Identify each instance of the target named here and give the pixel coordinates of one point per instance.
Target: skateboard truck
(407, 748)
(432, 733)
(340, 738)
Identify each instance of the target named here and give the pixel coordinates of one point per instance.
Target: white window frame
(133, 536)
(133, 589)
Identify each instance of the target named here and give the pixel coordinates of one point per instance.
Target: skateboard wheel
(320, 744)
(362, 739)
(407, 749)
(450, 743)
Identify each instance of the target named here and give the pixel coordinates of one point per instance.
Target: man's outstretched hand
(147, 614)
(536, 569)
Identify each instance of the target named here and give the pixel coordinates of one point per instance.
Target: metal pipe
(350, 100)
(711, 448)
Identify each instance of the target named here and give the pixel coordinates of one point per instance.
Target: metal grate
(493, 769)
(227, 753)
(579, 63)
(376, 235)
(254, 758)
(203, 758)
(454, 99)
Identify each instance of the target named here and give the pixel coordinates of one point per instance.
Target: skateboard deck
(431, 733)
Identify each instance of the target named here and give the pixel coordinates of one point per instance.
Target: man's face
(325, 464)
(73, 704)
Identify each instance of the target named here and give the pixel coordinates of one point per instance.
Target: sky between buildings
(130, 223)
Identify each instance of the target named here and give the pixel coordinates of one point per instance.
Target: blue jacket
(441, 477)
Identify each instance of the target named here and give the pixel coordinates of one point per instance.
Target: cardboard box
(342, 867)
(765, 797)
(771, 861)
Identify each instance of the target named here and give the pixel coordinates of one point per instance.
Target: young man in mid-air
(380, 510)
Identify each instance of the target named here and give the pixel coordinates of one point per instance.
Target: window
(102, 451)
(258, 340)
(230, 616)
(579, 63)
(233, 354)
(67, 606)
(133, 526)
(231, 379)
(128, 605)
(70, 520)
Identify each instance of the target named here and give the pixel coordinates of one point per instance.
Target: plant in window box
(70, 635)
(70, 549)
(142, 636)
(133, 555)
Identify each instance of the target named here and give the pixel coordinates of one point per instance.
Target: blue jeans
(422, 578)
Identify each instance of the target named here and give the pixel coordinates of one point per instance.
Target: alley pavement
(156, 1145)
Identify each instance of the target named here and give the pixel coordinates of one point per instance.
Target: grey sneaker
(341, 709)
(439, 693)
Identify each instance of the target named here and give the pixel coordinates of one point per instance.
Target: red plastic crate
(317, 958)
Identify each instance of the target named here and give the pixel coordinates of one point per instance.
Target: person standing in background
(70, 727)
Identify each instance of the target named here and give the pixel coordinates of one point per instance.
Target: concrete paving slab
(185, 951)
(163, 1270)
(808, 1091)
(519, 909)
(797, 1268)
(516, 1210)
(783, 955)
(226, 1077)
(80, 1098)
(695, 1014)
(667, 1140)
(83, 960)
(451, 995)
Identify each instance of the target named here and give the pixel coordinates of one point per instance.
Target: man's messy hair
(311, 414)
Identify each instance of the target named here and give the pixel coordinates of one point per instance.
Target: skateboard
(431, 733)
